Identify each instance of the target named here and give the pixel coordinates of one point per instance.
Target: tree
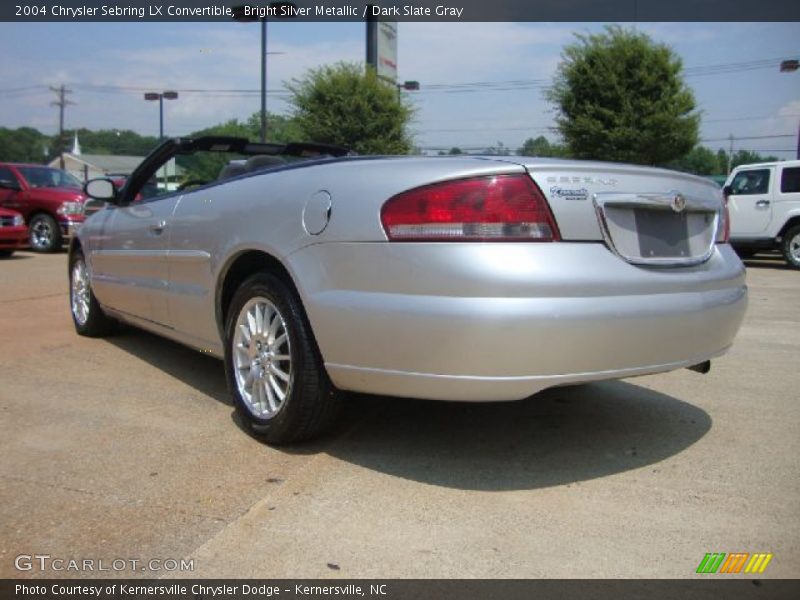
(700, 161)
(455, 150)
(621, 96)
(346, 105)
(499, 150)
(541, 146)
(24, 144)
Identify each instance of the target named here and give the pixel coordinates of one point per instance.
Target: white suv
(764, 205)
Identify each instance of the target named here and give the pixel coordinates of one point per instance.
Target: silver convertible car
(311, 272)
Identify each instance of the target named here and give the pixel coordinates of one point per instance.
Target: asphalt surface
(128, 448)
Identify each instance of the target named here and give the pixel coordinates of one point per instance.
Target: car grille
(658, 229)
(6, 221)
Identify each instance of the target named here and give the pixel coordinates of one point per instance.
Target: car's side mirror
(727, 190)
(10, 184)
(101, 188)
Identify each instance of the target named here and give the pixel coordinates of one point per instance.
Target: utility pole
(61, 103)
(730, 155)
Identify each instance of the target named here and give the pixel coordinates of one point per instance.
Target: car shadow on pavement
(767, 262)
(560, 436)
(202, 372)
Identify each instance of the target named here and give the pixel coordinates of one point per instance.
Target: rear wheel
(275, 374)
(88, 317)
(45, 235)
(791, 247)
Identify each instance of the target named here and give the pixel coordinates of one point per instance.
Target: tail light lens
(724, 227)
(500, 208)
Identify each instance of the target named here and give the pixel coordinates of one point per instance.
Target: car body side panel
(212, 225)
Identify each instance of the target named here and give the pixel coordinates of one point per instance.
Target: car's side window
(755, 181)
(7, 174)
(790, 180)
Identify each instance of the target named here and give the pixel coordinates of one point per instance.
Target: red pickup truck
(50, 200)
(13, 233)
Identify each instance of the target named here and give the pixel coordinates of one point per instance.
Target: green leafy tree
(347, 105)
(541, 146)
(499, 150)
(24, 144)
(699, 160)
(621, 96)
(113, 141)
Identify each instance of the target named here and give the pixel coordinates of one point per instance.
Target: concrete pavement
(127, 448)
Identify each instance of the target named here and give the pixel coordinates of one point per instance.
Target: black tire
(44, 234)
(790, 247)
(96, 323)
(5, 253)
(311, 403)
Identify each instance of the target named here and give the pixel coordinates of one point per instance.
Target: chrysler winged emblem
(678, 203)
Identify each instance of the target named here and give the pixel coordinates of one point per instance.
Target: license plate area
(658, 236)
(662, 233)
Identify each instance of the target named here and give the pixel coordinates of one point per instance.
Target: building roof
(111, 163)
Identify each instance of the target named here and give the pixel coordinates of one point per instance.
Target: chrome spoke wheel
(42, 234)
(80, 292)
(261, 355)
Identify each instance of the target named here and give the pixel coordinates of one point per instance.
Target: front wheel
(791, 247)
(88, 317)
(274, 371)
(45, 234)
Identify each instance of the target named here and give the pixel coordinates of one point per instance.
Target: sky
(732, 68)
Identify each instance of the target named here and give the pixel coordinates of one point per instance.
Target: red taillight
(499, 208)
(724, 227)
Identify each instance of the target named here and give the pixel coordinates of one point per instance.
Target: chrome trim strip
(658, 201)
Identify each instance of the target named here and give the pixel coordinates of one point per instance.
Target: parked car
(13, 233)
(764, 204)
(50, 200)
(450, 278)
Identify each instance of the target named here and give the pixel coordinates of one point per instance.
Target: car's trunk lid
(645, 215)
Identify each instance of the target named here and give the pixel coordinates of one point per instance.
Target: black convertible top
(214, 143)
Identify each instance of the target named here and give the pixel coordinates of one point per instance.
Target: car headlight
(70, 208)
(18, 221)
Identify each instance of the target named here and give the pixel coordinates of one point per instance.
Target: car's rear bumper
(503, 321)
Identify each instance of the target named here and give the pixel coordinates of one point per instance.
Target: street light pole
(160, 96)
(246, 14)
(409, 86)
(790, 66)
(263, 80)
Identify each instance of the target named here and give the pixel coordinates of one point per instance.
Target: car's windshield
(45, 177)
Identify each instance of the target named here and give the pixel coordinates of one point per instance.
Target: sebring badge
(678, 203)
(569, 193)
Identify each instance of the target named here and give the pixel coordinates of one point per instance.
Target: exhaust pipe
(702, 368)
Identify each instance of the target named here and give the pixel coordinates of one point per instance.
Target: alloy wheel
(261, 356)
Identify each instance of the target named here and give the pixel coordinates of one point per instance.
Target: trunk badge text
(569, 194)
(585, 180)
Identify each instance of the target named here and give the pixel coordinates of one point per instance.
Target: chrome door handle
(158, 228)
(762, 204)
